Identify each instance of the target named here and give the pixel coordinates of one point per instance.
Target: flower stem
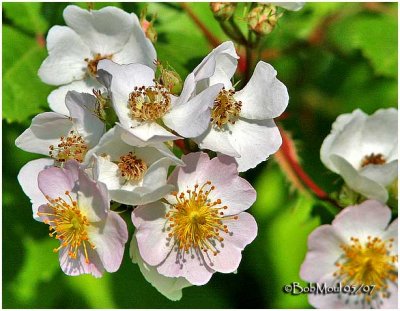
(214, 41)
(287, 152)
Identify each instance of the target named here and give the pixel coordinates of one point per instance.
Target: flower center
(373, 158)
(226, 108)
(368, 263)
(131, 167)
(72, 147)
(92, 63)
(195, 221)
(67, 224)
(149, 103)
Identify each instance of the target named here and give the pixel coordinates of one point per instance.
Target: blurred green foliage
(333, 57)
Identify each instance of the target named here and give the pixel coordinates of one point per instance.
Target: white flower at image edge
(363, 150)
(75, 49)
(358, 249)
(241, 124)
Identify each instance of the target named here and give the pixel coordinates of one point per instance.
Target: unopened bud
(169, 78)
(147, 26)
(103, 108)
(263, 19)
(223, 10)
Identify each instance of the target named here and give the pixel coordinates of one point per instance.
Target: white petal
(264, 96)
(392, 233)
(105, 31)
(124, 79)
(192, 118)
(217, 67)
(138, 49)
(27, 178)
(345, 140)
(66, 60)
(46, 129)
(107, 173)
(383, 174)
(216, 140)
(360, 221)
(380, 134)
(150, 133)
(255, 141)
(82, 109)
(169, 287)
(367, 187)
(109, 238)
(291, 6)
(56, 98)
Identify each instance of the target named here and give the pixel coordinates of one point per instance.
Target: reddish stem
(214, 41)
(180, 143)
(287, 153)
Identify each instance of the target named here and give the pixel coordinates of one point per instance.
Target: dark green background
(333, 57)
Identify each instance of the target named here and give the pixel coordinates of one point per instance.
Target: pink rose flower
(201, 228)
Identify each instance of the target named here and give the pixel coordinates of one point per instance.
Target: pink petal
(242, 232)
(109, 238)
(79, 266)
(369, 218)
(151, 234)
(188, 265)
(323, 251)
(54, 182)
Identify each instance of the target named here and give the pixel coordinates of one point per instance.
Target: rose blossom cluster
(108, 141)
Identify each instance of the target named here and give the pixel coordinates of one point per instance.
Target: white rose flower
(242, 123)
(75, 49)
(148, 110)
(362, 149)
(133, 175)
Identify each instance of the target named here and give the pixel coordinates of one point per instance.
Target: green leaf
(23, 93)
(40, 266)
(374, 35)
(27, 16)
(96, 291)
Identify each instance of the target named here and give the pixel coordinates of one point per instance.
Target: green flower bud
(169, 78)
(223, 10)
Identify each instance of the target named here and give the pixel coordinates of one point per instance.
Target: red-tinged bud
(223, 10)
(263, 19)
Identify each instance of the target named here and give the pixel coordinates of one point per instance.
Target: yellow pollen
(195, 221)
(149, 103)
(92, 63)
(131, 167)
(226, 108)
(72, 147)
(68, 224)
(368, 263)
(373, 158)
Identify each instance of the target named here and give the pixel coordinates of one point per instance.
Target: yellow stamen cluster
(373, 158)
(72, 147)
(226, 108)
(368, 263)
(149, 103)
(131, 167)
(92, 63)
(68, 224)
(195, 222)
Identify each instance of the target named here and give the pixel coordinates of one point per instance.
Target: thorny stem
(287, 153)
